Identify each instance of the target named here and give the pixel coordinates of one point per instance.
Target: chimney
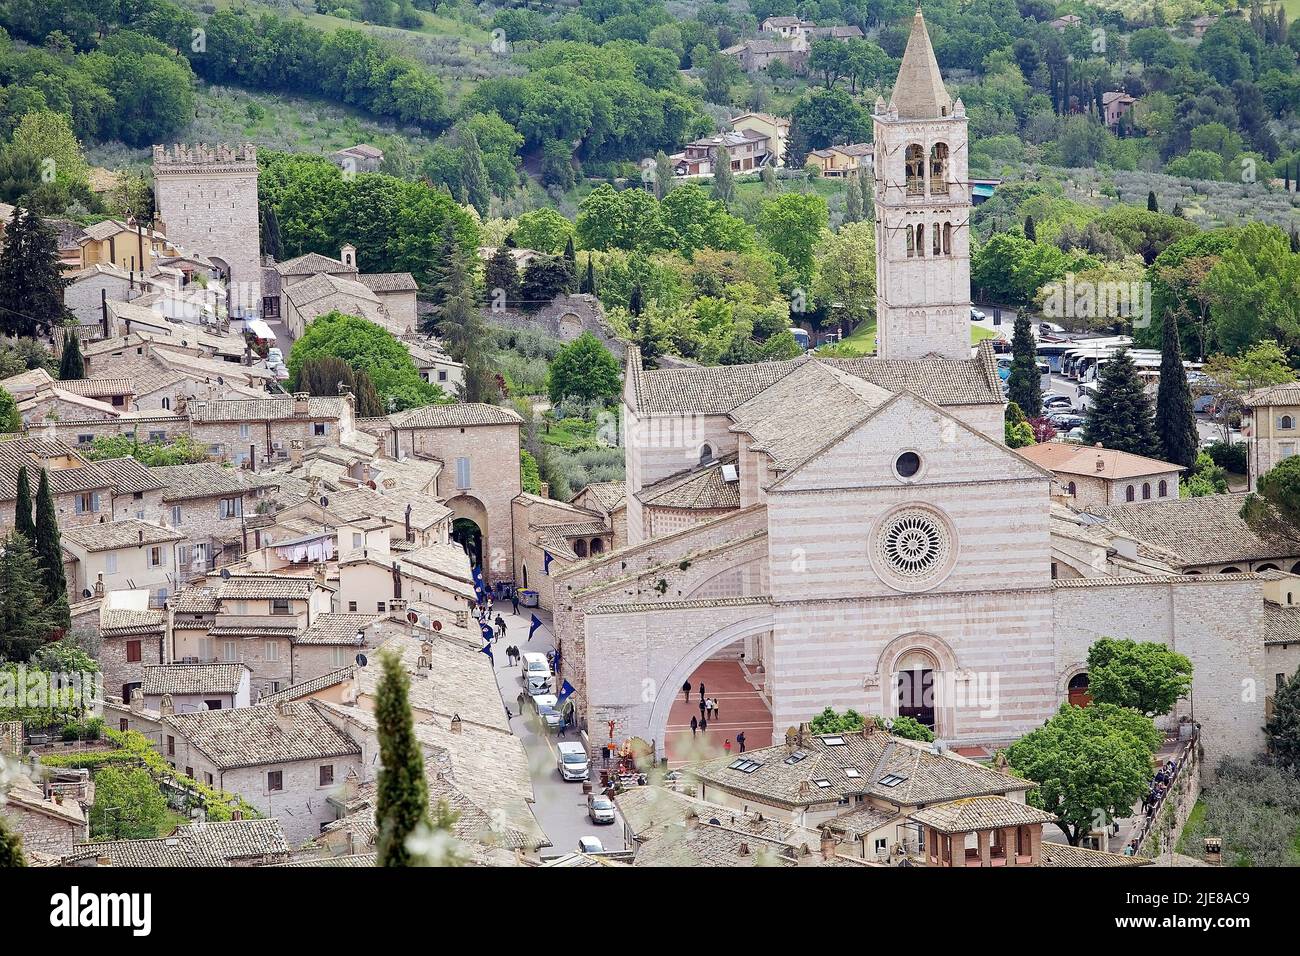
(397, 580)
(828, 844)
(455, 723)
(141, 535)
(801, 731)
(743, 849)
(166, 707)
(137, 701)
(1101, 463)
(181, 403)
(301, 404)
(318, 573)
(103, 861)
(236, 814)
(397, 605)
(99, 585)
(103, 310)
(791, 740)
(295, 451)
(692, 821)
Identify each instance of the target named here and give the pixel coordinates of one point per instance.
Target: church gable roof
(919, 92)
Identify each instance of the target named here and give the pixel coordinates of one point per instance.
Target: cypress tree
(1024, 386)
(71, 364)
(1120, 416)
(571, 262)
(1031, 232)
(369, 404)
(589, 283)
(24, 623)
(1283, 728)
(502, 273)
(636, 301)
(853, 203)
(23, 520)
(724, 181)
(50, 552)
(649, 348)
(31, 279)
(1153, 205)
(402, 802)
(1175, 423)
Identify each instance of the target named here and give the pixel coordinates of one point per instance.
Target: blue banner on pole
(537, 622)
(487, 631)
(546, 562)
(566, 691)
(487, 649)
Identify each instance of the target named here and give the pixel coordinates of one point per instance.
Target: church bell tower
(922, 200)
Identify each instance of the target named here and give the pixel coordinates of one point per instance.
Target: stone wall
(567, 317)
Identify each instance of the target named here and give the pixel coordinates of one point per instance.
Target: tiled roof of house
(312, 263)
(303, 293)
(1205, 530)
(609, 494)
(212, 843)
(337, 628)
(458, 415)
(264, 409)
(1288, 393)
(209, 480)
(1071, 459)
(251, 736)
(388, 281)
(122, 622)
(195, 600)
(264, 587)
(98, 387)
(699, 488)
(647, 811)
(979, 813)
(901, 771)
(308, 687)
(1062, 854)
(354, 860)
(129, 476)
(33, 452)
(122, 533)
(1281, 623)
(162, 679)
(707, 845)
(716, 390)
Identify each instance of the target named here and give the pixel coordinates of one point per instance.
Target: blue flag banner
(487, 631)
(487, 649)
(566, 691)
(477, 575)
(537, 622)
(546, 562)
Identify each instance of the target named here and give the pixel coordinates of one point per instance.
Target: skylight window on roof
(833, 741)
(851, 772)
(744, 765)
(891, 780)
(796, 757)
(823, 783)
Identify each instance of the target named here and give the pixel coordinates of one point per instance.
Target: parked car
(274, 356)
(1064, 421)
(1204, 405)
(1075, 434)
(600, 809)
(590, 844)
(1050, 328)
(976, 315)
(571, 761)
(1058, 402)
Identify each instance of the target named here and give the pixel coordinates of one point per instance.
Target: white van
(571, 761)
(536, 674)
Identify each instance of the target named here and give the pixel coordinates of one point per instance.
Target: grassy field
(862, 341)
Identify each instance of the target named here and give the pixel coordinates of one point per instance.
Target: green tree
(791, 225)
(402, 801)
(11, 420)
(724, 180)
(1175, 423)
(49, 552)
(584, 369)
(71, 364)
(368, 348)
(31, 278)
(1120, 414)
(11, 847)
(1016, 430)
(853, 202)
(181, 450)
(830, 722)
(1025, 384)
(1089, 764)
(543, 230)
(845, 273)
(502, 274)
(128, 805)
(24, 520)
(24, 623)
(1283, 728)
(1147, 677)
(545, 277)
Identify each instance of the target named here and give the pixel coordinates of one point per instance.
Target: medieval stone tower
(922, 212)
(206, 202)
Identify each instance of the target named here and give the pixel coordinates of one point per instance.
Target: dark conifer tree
(31, 278)
(402, 801)
(1024, 386)
(1153, 204)
(72, 365)
(24, 521)
(49, 551)
(1120, 415)
(1175, 423)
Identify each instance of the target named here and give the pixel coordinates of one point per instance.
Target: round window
(913, 544)
(908, 464)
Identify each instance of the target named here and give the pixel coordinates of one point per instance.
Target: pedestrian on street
(695, 725)
(704, 725)
(514, 601)
(704, 709)
(727, 746)
(740, 741)
(686, 691)
(701, 690)
(520, 701)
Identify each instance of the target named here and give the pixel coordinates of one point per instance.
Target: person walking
(704, 708)
(514, 600)
(686, 691)
(704, 725)
(727, 746)
(740, 741)
(695, 726)
(701, 690)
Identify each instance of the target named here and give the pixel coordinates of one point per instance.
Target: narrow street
(561, 806)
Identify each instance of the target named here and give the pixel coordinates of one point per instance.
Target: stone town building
(775, 128)
(206, 200)
(746, 150)
(1093, 475)
(841, 162)
(195, 687)
(882, 549)
(123, 555)
(131, 639)
(257, 433)
(286, 759)
(313, 284)
(361, 158)
(83, 491)
(220, 843)
(47, 823)
(1271, 423)
(474, 443)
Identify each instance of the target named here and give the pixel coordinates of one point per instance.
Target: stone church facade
(857, 529)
